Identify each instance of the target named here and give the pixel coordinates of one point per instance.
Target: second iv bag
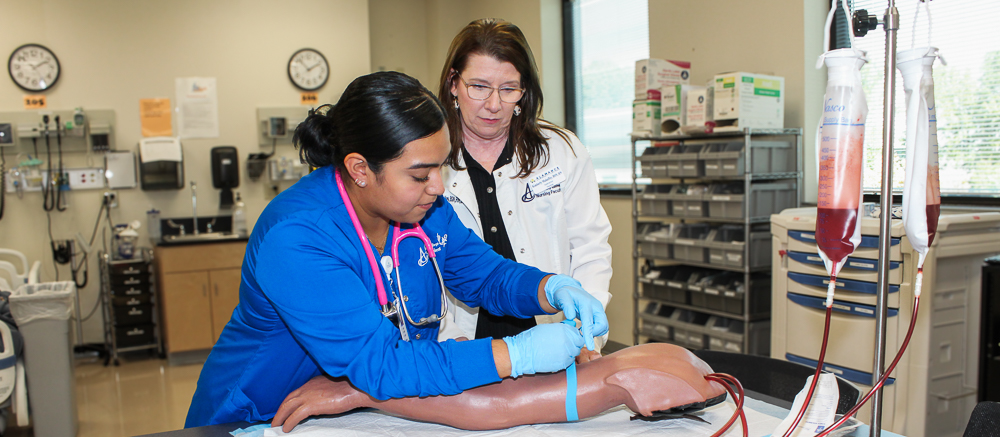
(921, 186)
(841, 154)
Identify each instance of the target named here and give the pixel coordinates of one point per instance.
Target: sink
(204, 237)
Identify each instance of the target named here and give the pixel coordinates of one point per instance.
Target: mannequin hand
(587, 355)
(566, 294)
(320, 395)
(550, 347)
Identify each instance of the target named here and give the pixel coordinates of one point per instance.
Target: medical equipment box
(646, 117)
(674, 102)
(743, 100)
(651, 75)
(698, 104)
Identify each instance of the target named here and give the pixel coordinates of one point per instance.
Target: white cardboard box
(697, 106)
(749, 100)
(674, 103)
(653, 74)
(646, 117)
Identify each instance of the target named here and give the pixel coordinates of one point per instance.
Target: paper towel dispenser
(161, 163)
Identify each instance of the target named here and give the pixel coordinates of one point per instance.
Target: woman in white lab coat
(526, 186)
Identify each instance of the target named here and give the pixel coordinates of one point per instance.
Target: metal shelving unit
(679, 319)
(129, 300)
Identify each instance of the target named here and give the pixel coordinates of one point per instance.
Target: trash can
(42, 313)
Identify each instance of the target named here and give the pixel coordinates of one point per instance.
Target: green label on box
(718, 79)
(729, 85)
(747, 79)
(766, 92)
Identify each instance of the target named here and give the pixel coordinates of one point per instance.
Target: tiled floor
(141, 396)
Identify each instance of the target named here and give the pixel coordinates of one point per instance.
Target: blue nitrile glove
(566, 294)
(550, 347)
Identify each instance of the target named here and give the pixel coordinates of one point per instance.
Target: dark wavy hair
(503, 41)
(376, 117)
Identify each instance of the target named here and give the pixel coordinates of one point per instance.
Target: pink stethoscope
(387, 308)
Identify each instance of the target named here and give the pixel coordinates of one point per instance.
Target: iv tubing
(819, 367)
(881, 381)
(729, 381)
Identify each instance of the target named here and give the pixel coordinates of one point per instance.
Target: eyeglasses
(483, 92)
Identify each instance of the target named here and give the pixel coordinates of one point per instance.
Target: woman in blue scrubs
(310, 300)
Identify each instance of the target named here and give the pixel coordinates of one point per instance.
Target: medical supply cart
(129, 299)
(701, 252)
(933, 389)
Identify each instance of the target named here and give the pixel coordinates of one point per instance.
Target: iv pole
(890, 23)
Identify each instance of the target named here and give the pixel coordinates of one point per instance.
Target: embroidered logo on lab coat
(425, 257)
(529, 195)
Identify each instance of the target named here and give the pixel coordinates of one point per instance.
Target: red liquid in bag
(834, 229)
(933, 212)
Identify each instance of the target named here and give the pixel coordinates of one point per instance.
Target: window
(607, 36)
(967, 92)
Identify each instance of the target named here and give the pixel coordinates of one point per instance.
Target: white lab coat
(560, 229)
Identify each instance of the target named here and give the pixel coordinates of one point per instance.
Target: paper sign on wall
(309, 99)
(35, 102)
(154, 115)
(197, 107)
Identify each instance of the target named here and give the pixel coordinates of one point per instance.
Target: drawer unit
(135, 335)
(141, 280)
(849, 290)
(852, 331)
(131, 301)
(133, 315)
(864, 382)
(805, 241)
(861, 269)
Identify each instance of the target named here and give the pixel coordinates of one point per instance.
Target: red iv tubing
(729, 381)
(819, 364)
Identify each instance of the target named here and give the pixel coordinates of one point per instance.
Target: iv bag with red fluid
(841, 154)
(921, 185)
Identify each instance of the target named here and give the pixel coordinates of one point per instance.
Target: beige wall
(620, 310)
(779, 37)
(398, 28)
(115, 52)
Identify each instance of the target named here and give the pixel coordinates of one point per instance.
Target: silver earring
(456, 104)
(360, 183)
(517, 110)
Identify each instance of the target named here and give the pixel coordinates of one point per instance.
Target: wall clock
(33, 67)
(308, 69)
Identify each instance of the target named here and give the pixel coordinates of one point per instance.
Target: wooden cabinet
(200, 287)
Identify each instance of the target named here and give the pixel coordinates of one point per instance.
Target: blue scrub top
(308, 306)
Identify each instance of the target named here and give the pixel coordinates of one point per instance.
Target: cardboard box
(744, 100)
(651, 75)
(697, 106)
(646, 117)
(674, 103)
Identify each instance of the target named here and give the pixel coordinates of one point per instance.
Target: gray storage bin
(694, 285)
(727, 243)
(689, 328)
(689, 242)
(725, 335)
(727, 159)
(668, 285)
(654, 200)
(688, 200)
(654, 241)
(683, 161)
(726, 200)
(716, 288)
(656, 321)
(653, 162)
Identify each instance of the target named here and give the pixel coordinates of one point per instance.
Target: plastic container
(654, 241)
(153, 222)
(683, 162)
(42, 313)
(687, 200)
(766, 156)
(654, 200)
(239, 217)
(689, 245)
(726, 200)
(653, 162)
